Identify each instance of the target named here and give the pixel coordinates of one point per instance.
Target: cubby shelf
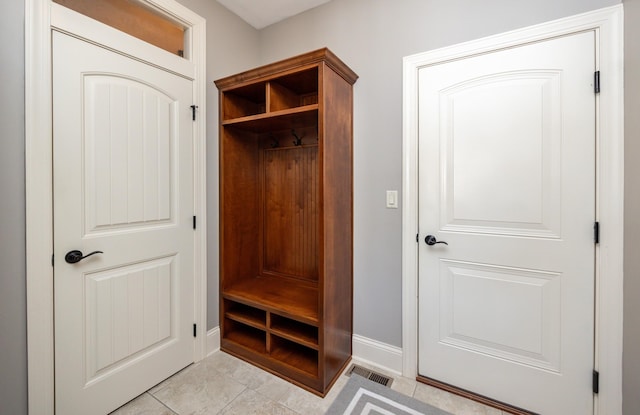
(277, 120)
(304, 335)
(286, 222)
(246, 315)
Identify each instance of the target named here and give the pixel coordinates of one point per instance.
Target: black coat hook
(274, 141)
(298, 140)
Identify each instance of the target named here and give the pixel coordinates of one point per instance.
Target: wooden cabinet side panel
(337, 171)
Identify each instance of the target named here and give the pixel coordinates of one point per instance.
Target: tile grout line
(234, 398)
(162, 403)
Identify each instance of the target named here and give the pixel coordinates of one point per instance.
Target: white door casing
(507, 179)
(123, 185)
(607, 24)
(42, 17)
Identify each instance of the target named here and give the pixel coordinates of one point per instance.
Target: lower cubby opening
(245, 314)
(295, 331)
(246, 336)
(294, 355)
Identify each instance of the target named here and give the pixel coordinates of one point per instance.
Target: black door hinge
(195, 330)
(596, 82)
(596, 232)
(194, 222)
(52, 260)
(193, 112)
(596, 381)
(417, 238)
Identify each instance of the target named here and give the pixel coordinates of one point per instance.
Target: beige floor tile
(225, 385)
(453, 403)
(226, 363)
(168, 380)
(251, 402)
(307, 403)
(404, 385)
(144, 404)
(334, 392)
(249, 375)
(273, 387)
(263, 382)
(198, 390)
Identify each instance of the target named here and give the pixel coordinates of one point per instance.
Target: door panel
(480, 143)
(128, 140)
(123, 185)
(128, 312)
(516, 318)
(507, 179)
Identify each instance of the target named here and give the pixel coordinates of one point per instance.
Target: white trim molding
(608, 26)
(213, 341)
(39, 23)
(377, 353)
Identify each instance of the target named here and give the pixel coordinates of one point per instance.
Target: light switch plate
(392, 199)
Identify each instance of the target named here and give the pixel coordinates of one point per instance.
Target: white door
(122, 185)
(507, 179)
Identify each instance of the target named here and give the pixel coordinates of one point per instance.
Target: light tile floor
(225, 385)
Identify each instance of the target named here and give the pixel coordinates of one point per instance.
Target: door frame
(608, 25)
(41, 17)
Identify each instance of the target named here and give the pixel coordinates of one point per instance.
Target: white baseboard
(213, 340)
(377, 353)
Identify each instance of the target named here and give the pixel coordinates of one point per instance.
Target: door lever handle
(75, 256)
(431, 240)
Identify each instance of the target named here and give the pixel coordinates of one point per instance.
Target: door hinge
(193, 112)
(596, 82)
(195, 330)
(596, 232)
(52, 260)
(194, 222)
(417, 238)
(596, 381)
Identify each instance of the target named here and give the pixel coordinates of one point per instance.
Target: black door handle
(75, 256)
(431, 240)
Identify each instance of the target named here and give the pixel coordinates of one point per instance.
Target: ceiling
(262, 13)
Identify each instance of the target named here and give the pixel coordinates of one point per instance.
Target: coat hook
(298, 140)
(274, 141)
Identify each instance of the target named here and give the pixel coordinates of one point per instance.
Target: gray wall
(372, 36)
(13, 320)
(232, 46)
(631, 351)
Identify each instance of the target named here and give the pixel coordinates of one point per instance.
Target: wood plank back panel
(290, 218)
(133, 18)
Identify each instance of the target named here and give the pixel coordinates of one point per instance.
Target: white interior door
(123, 185)
(507, 179)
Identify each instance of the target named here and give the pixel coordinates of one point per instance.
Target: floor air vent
(370, 374)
